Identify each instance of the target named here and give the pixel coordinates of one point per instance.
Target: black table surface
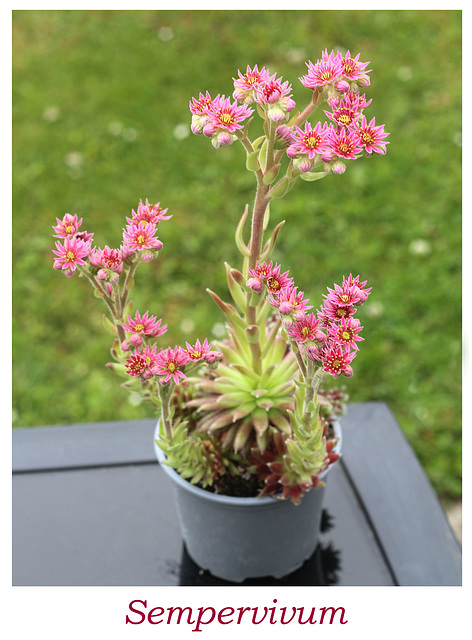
(91, 506)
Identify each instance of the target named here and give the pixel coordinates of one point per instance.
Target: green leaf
(310, 176)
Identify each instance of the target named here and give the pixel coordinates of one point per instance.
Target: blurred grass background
(101, 119)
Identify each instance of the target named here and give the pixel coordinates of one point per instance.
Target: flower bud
(303, 164)
(338, 167)
(241, 95)
(209, 129)
(147, 255)
(364, 81)
(127, 254)
(292, 151)
(224, 138)
(276, 114)
(320, 336)
(136, 340)
(212, 358)
(102, 274)
(284, 133)
(114, 277)
(313, 353)
(333, 100)
(328, 155)
(255, 284)
(285, 308)
(341, 86)
(348, 372)
(288, 104)
(125, 345)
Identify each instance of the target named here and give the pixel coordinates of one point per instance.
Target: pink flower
(307, 328)
(288, 301)
(145, 325)
(371, 138)
(363, 292)
(199, 107)
(272, 90)
(346, 112)
(246, 85)
(168, 363)
(142, 363)
(148, 213)
(138, 237)
(336, 360)
(70, 254)
(227, 116)
(310, 141)
(199, 351)
(346, 333)
(271, 276)
(107, 258)
(332, 312)
(344, 296)
(67, 227)
(345, 143)
(323, 72)
(352, 69)
(135, 364)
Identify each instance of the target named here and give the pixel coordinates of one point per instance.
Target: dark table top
(91, 506)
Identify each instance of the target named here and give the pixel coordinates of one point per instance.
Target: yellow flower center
(366, 137)
(312, 141)
(336, 364)
(346, 335)
(345, 118)
(138, 327)
(140, 239)
(345, 297)
(326, 76)
(344, 148)
(226, 118)
(171, 367)
(70, 255)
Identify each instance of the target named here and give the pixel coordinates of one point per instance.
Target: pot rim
(221, 497)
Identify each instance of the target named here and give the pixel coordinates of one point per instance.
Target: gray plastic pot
(239, 538)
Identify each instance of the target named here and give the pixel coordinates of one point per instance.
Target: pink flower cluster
(217, 118)
(338, 77)
(330, 336)
(168, 364)
(140, 235)
(271, 94)
(76, 246)
(349, 133)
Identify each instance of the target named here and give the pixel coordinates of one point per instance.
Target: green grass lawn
(101, 120)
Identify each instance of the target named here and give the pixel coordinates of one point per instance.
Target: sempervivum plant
(249, 414)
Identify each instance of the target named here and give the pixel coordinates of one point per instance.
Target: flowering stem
(308, 110)
(299, 358)
(128, 284)
(96, 285)
(165, 395)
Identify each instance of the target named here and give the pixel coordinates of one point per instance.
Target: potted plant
(247, 427)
